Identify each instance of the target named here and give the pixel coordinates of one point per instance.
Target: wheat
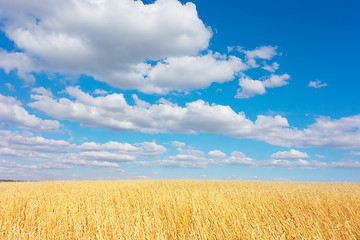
(179, 210)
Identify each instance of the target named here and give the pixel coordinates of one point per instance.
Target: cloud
(11, 110)
(198, 159)
(113, 112)
(343, 133)
(178, 144)
(262, 52)
(355, 153)
(9, 86)
(216, 154)
(56, 154)
(240, 159)
(236, 158)
(19, 61)
(109, 40)
(42, 91)
(27, 147)
(250, 88)
(274, 66)
(286, 163)
(145, 149)
(177, 161)
(100, 92)
(292, 154)
(154, 48)
(189, 73)
(347, 164)
(317, 84)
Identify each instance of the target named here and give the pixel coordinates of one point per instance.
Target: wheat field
(160, 209)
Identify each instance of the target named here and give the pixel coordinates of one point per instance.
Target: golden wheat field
(179, 210)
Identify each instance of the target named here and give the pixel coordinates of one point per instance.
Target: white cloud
(113, 112)
(274, 81)
(286, 163)
(55, 154)
(274, 66)
(12, 111)
(198, 159)
(100, 92)
(216, 157)
(25, 146)
(178, 144)
(178, 161)
(19, 61)
(240, 159)
(154, 48)
(292, 154)
(107, 156)
(216, 154)
(250, 87)
(42, 91)
(189, 73)
(191, 152)
(28, 142)
(317, 84)
(145, 149)
(9, 86)
(110, 40)
(350, 164)
(355, 153)
(263, 52)
(341, 133)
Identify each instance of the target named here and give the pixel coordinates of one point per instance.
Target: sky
(232, 90)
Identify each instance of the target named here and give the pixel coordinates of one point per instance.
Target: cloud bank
(113, 112)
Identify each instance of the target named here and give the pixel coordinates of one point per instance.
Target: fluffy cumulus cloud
(341, 133)
(178, 144)
(271, 68)
(292, 154)
(155, 48)
(42, 91)
(191, 72)
(250, 87)
(11, 110)
(111, 41)
(20, 62)
(29, 142)
(113, 112)
(216, 154)
(262, 52)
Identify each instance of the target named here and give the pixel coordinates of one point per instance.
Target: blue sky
(248, 90)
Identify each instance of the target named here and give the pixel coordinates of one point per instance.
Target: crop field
(161, 209)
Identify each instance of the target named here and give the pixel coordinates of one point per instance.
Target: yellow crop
(179, 210)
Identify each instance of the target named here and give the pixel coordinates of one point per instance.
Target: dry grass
(179, 210)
